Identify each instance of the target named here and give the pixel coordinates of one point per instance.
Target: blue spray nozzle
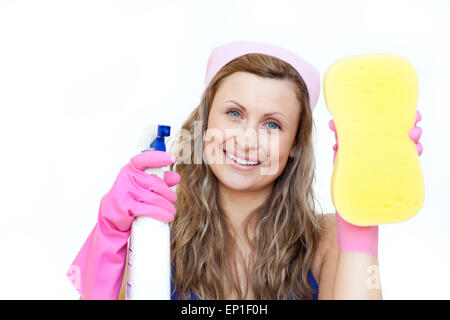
(158, 143)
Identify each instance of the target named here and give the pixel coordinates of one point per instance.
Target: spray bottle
(148, 275)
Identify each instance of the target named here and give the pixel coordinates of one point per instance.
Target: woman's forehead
(258, 94)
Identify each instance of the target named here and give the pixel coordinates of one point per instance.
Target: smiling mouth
(241, 161)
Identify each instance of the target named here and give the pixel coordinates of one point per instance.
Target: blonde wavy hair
(286, 227)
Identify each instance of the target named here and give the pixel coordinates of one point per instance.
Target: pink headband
(221, 55)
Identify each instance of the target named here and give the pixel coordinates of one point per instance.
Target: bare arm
(345, 274)
(357, 277)
(123, 287)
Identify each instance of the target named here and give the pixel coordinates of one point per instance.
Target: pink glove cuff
(97, 270)
(356, 238)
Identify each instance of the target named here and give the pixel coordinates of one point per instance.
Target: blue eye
(233, 111)
(234, 114)
(277, 126)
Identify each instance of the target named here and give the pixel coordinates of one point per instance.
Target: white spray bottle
(148, 275)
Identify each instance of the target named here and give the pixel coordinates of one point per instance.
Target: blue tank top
(311, 280)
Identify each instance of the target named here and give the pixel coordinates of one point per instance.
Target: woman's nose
(249, 139)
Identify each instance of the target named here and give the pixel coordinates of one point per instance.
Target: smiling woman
(241, 232)
(269, 101)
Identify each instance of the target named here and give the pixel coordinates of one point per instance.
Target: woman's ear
(292, 152)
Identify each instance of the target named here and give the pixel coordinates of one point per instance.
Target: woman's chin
(238, 182)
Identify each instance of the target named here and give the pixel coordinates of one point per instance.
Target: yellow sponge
(377, 177)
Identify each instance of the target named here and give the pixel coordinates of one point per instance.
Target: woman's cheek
(213, 146)
(277, 156)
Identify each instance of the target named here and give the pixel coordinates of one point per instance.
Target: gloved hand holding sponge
(365, 239)
(377, 177)
(100, 263)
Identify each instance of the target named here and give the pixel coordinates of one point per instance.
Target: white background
(79, 80)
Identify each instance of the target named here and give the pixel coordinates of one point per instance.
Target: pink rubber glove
(365, 239)
(97, 270)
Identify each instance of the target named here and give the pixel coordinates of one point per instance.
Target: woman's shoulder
(327, 242)
(329, 232)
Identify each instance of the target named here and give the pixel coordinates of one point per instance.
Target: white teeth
(242, 161)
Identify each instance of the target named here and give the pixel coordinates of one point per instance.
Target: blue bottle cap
(158, 143)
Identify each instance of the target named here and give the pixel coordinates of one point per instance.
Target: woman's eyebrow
(265, 115)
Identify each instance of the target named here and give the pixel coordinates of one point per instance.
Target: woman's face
(255, 119)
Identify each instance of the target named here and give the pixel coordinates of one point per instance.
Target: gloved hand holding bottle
(365, 239)
(100, 263)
